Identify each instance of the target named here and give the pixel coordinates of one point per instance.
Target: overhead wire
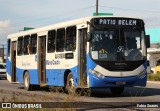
(75, 11)
(57, 15)
(126, 9)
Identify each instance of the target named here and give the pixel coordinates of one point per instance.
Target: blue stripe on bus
(54, 77)
(8, 65)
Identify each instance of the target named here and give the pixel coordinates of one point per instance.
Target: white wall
(153, 58)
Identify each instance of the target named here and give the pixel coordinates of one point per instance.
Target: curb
(155, 82)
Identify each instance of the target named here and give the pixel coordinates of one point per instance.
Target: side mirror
(147, 41)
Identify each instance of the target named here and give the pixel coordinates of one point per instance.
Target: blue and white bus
(87, 53)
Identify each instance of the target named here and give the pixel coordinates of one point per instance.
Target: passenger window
(70, 39)
(20, 46)
(33, 44)
(51, 41)
(60, 40)
(27, 45)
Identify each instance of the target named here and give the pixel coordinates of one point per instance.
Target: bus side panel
(32, 74)
(8, 65)
(60, 75)
(74, 71)
(55, 77)
(8, 61)
(51, 76)
(19, 75)
(90, 65)
(27, 63)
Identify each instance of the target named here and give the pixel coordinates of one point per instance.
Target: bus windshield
(117, 45)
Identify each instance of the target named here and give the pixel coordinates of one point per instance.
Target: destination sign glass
(117, 22)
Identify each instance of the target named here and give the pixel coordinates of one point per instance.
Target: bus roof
(60, 25)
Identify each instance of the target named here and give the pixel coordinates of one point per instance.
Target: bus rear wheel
(70, 84)
(27, 84)
(116, 91)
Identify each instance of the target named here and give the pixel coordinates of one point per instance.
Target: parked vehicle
(2, 71)
(157, 68)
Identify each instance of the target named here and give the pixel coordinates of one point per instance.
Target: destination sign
(117, 22)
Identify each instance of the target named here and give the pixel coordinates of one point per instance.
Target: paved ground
(133, 96)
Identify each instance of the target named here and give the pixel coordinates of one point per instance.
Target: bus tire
(70, 84)
(116, 91)
(27, 84)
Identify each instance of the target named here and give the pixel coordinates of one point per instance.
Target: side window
(32, 48)
(20, 46)
(60, 40)
(26, 44)
(8, 45)
(70, 39)
(51, 41)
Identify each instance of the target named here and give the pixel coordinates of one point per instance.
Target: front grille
(120, 66)
(2, 72)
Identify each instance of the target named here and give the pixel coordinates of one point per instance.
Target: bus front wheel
(70, 84)
(117, 90)
(27, 84)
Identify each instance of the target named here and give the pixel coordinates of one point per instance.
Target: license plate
(120, 83)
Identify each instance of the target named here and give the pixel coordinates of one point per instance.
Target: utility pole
(97, 7)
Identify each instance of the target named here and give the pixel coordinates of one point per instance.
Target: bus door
(13, 61)
(42, 60)
(82, 57)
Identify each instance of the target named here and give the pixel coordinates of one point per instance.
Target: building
(154, 50)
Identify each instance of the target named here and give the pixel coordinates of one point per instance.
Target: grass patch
(27, 97)
(153, 77)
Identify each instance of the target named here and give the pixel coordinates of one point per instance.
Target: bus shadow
(102, 93)
(36, 88)
(128, 92)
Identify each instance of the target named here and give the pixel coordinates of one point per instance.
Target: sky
(17, 14)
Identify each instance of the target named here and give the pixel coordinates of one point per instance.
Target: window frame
(60, 40)
(70, 40)
(51, 49)
(26, 40)
(33, 43)
(20, 46)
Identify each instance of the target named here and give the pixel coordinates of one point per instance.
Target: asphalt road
(150, 93)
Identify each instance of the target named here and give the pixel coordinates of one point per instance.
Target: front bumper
(106, 82)
(3, 75)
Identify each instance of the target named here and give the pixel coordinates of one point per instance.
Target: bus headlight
(96, 73)
(142, 74)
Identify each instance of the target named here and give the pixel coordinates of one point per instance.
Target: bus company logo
(120, 64)
(6, 105)
(25, 64)
(52, 62)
